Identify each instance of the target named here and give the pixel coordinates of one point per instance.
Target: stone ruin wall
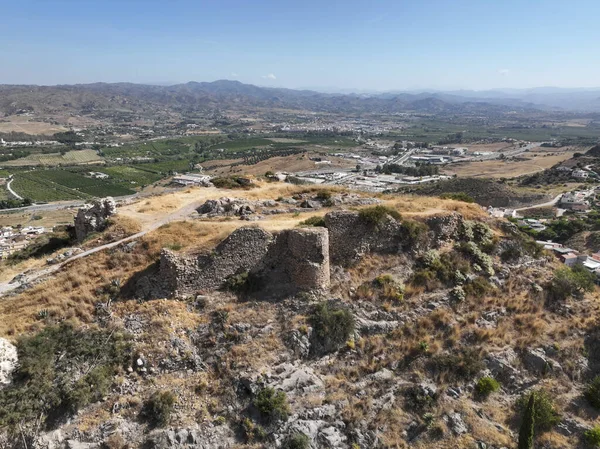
(289, 261)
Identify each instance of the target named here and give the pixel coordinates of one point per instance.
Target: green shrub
(569, 282)
(297, 441)
(253, 432)
(546, 415)
(313, 221)
(324, 195)
(60, 370)
(592, 436)
(375, 215)
(158, 408)
(272, 404)
(232, 182)
(526, 431)
(483, 260)
(244, 283)
(477, 288)
(458, 196)
(414, 233)
(592, 392)
(332, 326)
(486, 385)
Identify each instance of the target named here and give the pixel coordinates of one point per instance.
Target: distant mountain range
(225, 95)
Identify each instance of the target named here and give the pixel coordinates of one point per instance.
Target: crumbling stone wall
(94, 217)
(290, 261)
(241, 251)
(351, 237)
(298, 260)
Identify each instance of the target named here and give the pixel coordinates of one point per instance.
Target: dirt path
(181, 213)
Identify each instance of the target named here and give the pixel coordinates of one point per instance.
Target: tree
(526, 430)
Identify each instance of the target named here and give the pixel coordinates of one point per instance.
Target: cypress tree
(526, 430)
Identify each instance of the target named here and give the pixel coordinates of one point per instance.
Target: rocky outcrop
(444, 227)
(8, 361)
(94, 217)
(290, 261)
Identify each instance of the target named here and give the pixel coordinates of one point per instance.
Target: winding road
(12, 192)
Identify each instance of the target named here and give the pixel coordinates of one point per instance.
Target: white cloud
(234, 75)
(504, 72)
(270, 76)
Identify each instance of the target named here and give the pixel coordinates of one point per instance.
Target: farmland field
(125, 174)
(53, 159)
(56, 185)
(30, 186)
(508, 168)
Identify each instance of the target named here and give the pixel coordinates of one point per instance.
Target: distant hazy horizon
(343, 45)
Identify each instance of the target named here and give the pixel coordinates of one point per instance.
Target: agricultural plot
(53, 159)
(85, 185)
(29, 186)
(125, 174)
(57, 185)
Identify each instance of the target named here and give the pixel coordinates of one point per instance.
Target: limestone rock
(537, 361)
(8, 361)
(456, 423)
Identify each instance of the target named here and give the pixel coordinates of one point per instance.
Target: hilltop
(487, 192)
(297, 317)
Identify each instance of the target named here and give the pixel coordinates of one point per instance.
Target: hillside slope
(429, 329)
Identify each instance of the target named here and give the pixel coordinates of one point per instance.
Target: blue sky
(376, 45)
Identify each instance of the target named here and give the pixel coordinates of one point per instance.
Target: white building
(580, 174)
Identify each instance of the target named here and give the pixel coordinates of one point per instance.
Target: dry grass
(47, 218)
(533, 163)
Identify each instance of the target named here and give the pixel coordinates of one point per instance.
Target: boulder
(8, 361)
(537, 361)
(456, 423)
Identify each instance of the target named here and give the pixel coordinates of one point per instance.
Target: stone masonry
(286, 262)
(94, 217)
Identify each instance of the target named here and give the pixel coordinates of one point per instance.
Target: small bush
(375, 215)
(592, 392)
(546, 415)
(50, 381)
(324, 195)
(243, 283)
(297, 441)
(253, 432)
(459, 365)
(272, 404)
(158, 408)
(486, 385)
(459, 196)
(232, 182)
(313, 221)
(477, 288)
(592, 436)
(332, 326)
(569, 282)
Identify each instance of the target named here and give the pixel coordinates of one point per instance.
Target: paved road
(17, 196)
(546, 204)
(6, 287)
